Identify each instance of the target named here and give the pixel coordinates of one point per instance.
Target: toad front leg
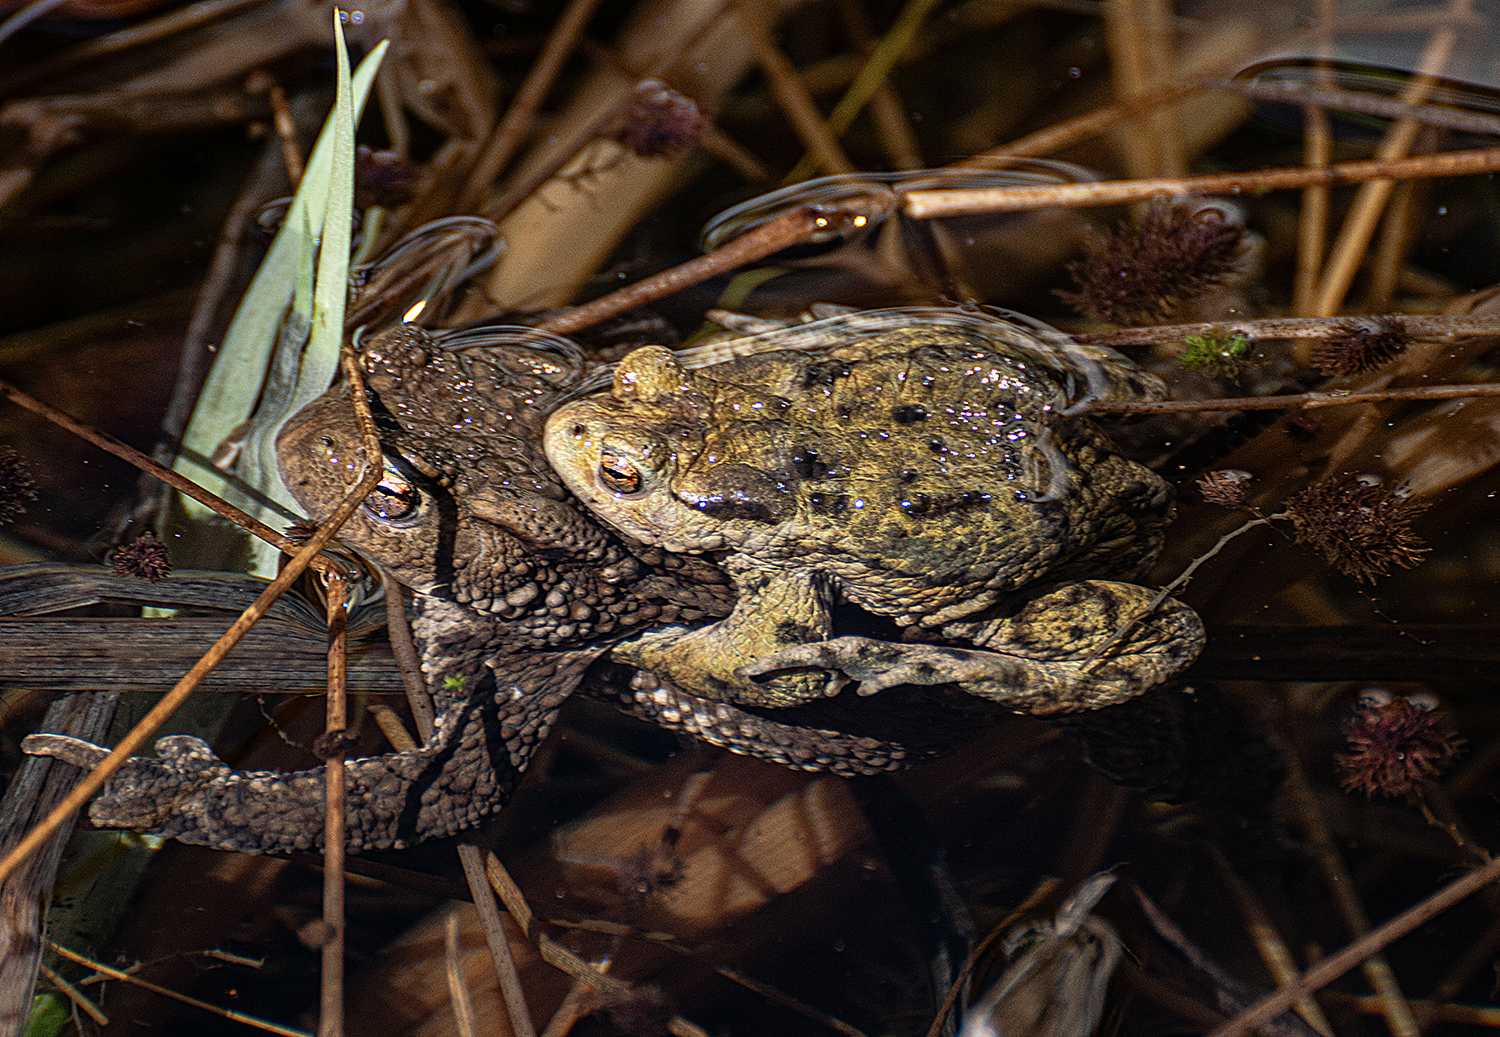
(1081, 646)
(774, 612)
(481, 743)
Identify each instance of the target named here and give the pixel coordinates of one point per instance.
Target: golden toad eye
(618, 473)
(394, 499)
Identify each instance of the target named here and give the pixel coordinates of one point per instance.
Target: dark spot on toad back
(825, 373)
(829, 503)
(937, 446)
(805, 464)
(909, 414)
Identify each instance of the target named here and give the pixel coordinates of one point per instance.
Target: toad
(924, 468)
(516, 593)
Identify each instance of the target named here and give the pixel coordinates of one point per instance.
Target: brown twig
(892, 124)
(398, 630)
(286, 133)
(155, 988)
(331, 1001)
(136, 738)
(499, 944)
(1295, 401)
(133, 456)
(513, 128)
(1364, 214)
(790, 93)
(558, 956)
(464, 1018)
(788, 229)
(877, 67)
(1072, 131)
(518, 192)
(1335, 965)
(1431, 326)
(74, 995)
(927, 205)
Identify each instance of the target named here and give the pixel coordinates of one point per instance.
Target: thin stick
(1418, 326)
(517, 193)
(494, 934)
(1080, 128)
(1359, 225)
(136, 738)
(155, 988)
(1334, 966)
(405, 651)
(877, 68)
(927, 205)
(130, 454)
(1336, 877)
(1298, 401)
(1274, 952)
(558, 956)
(458, 989)
(790, 228)
(74, 995)
(892, 125)
(331, 1001)
(519, 116)
(790, 93)
(1317, 151)
(286, 133)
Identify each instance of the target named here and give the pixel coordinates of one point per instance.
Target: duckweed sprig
(1221, 353)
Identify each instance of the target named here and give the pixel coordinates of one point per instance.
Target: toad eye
(394, 499)
(619, 473)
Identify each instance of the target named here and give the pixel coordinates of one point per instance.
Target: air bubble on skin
(1375, 698)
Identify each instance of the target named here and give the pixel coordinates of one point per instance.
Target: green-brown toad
(923, 468)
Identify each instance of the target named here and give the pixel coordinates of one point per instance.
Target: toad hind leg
(774, 612)
(481, 743)
(1080, 646)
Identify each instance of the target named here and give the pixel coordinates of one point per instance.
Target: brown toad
(517, 593)
(922, 468)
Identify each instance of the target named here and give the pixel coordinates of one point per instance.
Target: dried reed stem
(156, 988)
(1295, 401)
(92, 782)
(513, 128)
(130, 454)
(876, 68)
(331, 990)
(1370, 202)
(1418, 326)
(494, 934)
(927, 205)
(791, 94)
(790, 228)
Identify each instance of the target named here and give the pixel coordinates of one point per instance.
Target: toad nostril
(579, 430)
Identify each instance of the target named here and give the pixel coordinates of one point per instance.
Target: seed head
(1361, 526)
(146, 559)
(1362, 345)
(16, 485)
(1395, 745)
(1225, 487)
(1142, 273)
(383, 178)
(661, 122)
